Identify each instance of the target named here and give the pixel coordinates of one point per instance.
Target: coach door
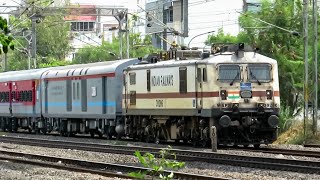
(201, 78)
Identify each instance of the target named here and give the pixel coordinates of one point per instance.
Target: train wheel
(204, 143)
(156, 140)
(257, 146)
(246, 146)
(148, 139)
(194, 142)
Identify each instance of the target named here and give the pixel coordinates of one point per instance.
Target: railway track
(312, 145)
(104, 169)
(183, 155)
(306, 153)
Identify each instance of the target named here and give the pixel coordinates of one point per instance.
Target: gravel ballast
(9, 170)
(191, 167)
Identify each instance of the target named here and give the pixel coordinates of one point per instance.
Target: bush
(157, 165)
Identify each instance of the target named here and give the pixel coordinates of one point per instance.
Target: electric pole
(305, 49)
(315, 59)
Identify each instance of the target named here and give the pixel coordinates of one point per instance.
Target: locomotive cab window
(183, 79)
(259, 72)
(132, 78)
(229, 73)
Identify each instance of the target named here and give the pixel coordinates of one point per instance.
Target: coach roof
(86, 69)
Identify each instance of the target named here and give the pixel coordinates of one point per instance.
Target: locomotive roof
(249, 57)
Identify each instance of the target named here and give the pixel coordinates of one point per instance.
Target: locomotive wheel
(246, 146)
(109, 136)
(92, 134)
(100, 135)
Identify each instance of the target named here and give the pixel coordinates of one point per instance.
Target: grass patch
(295, 134)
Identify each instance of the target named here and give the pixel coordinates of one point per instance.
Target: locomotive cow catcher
(235, 89)
(177, 96)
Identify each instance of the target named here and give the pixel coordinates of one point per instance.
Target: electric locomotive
(232, 87)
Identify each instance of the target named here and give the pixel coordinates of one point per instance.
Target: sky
(204, 15)
(212, 15)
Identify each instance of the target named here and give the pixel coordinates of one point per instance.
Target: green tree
(6, 39)
(52, 37)
(139, 47)
(278, 44)
(275, 43)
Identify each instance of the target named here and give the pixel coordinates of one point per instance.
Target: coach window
(13, 96)
(74, 90)
(148, 80)
(229, 73)
(7, 96)
(29, 96)
(78, 91)
(132, 78)
(183, 79)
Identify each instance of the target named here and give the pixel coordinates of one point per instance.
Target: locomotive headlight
(223, 94)
(269, 94)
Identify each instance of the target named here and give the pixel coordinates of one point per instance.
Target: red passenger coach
(23, 93)
(5, 96)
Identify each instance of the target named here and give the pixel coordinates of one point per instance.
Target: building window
(170, 14)
(82, 26)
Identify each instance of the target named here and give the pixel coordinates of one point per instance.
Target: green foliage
(6, 40)
(157, 165)
(138, 48)
(277, 44)
(53, 37)
(51, 62)
(220, 37)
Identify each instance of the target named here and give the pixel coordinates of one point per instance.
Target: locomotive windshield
(229, 73)
(259, 72)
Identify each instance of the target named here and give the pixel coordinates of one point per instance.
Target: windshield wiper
(234, 79)
(252, 75)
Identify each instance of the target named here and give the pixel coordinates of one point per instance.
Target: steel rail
(312, 145)
(292, 152)
(185, 155)
(105, 169)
